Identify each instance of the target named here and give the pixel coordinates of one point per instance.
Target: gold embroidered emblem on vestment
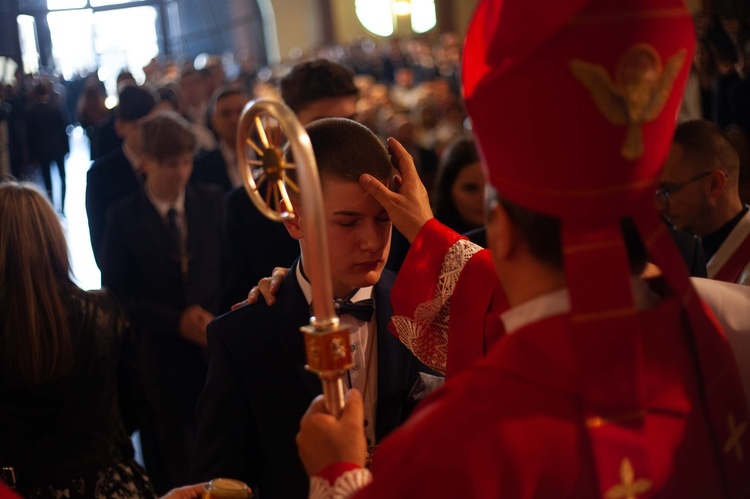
(735, 433)
(640, 89)
(629, 487)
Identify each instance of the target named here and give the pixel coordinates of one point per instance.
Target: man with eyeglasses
(699, 194)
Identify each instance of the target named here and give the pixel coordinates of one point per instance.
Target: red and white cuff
(339, 481)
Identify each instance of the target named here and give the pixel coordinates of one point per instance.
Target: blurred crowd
(409, 89)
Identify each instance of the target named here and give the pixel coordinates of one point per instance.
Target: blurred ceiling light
(401, 8)
(380, 16)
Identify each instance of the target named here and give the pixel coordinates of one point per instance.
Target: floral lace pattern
(426, 334)
(346, 485)
(125, 480)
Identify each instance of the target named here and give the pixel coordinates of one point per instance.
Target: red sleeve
(6, 493)
(335, 470)
(445, 276)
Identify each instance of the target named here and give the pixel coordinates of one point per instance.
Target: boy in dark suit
(118, 173)
(257, 388)
(160, 256)
(219, 166)
(313, 89)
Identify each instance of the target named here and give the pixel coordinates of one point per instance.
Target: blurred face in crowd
(130, 131)
(226, 116)
(168, 177)
(330, 107)
(467, 194)
(193, 88)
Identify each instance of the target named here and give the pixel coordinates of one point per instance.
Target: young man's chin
(364, 276)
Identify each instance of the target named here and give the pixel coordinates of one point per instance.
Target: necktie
(361, 310)
(174, 227)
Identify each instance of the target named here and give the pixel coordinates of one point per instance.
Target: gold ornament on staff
(263, 167)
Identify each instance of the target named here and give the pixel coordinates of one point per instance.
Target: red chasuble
(525, 395)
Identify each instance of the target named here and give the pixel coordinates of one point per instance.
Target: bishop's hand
(324, 440)
(409, 208)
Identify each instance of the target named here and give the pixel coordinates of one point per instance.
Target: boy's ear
(294, 225)
(145, 165)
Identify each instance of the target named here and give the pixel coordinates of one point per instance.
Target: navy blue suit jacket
(141, 264)
(110, 179)
(258, 389)
(210, 168)
(252, 245)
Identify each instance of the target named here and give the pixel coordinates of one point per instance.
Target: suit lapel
(194, 222)
(394, 362)
(293, 311)
(154, 228)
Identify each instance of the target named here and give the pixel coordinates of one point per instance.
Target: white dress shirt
(363, 374)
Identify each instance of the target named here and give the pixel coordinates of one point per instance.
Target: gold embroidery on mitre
(735, 433)
(629, 487)
(638, 94)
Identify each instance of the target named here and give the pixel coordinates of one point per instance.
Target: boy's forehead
(177, 158)
(327, 176)
(330, 181)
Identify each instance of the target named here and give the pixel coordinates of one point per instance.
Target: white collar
(162, 207)
(558, 303)
(361, 294)
(230, 158)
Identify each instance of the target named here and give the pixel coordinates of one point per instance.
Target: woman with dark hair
(458, 195)
(69, 392)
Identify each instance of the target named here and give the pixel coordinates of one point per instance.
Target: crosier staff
(261, 163)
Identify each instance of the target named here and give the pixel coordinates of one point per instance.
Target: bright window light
(375, 16)
(423, 17)
(71, 32)
(101, 3)
(29, 47)
(65, 4)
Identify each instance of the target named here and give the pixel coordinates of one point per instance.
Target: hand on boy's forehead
(346, 198)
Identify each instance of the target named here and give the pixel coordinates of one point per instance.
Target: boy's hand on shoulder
(193, 324)
(268, 287)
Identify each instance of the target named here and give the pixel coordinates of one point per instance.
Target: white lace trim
(426, 334)
(345, 486)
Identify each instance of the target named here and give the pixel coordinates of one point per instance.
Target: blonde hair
(34, 282)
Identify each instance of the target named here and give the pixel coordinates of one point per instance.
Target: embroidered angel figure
(637, 95)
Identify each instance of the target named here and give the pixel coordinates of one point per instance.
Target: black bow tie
(361, 310)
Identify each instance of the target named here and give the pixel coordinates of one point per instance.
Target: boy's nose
(372, 238)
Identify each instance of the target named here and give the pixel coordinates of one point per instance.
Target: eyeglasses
(666, 189)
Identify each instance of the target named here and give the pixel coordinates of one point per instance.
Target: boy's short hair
(135, 102)
(704, 145)
(166, 134)
(315, 80)
(345, 149)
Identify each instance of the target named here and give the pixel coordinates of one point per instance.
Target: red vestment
(511, 424)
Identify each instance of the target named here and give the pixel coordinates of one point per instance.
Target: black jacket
(70, 427)
(109, 180)
(258, 389)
